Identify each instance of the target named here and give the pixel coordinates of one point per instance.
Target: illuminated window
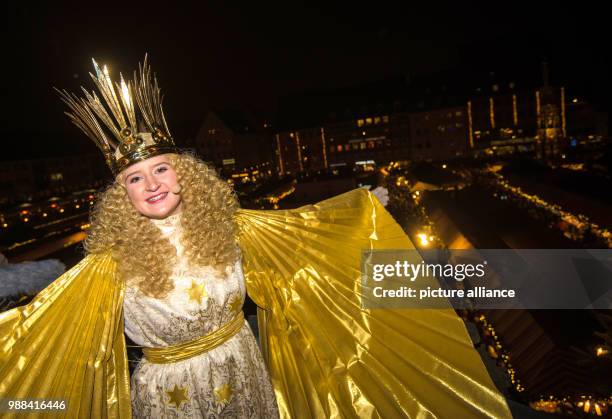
(369, 121)
(370, 144)
(339, 148)
(377, 119)
(385, 119)
(332, 149)
(355, 146)
(362, 146)
(495, 88)
(347, 147)
(360, 122)
(458, 113)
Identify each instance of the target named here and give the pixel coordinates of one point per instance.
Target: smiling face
(149, 185)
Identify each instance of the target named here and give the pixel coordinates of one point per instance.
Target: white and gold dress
(230, 380)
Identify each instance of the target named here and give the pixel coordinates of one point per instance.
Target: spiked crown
(126, 121)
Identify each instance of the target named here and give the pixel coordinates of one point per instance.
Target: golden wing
(327, 356)
(68, 344)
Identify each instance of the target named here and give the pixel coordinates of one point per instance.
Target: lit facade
(377, 137)
(301, 150)
(428, 135)
(497, 116)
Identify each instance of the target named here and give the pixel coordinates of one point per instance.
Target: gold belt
(195, 347)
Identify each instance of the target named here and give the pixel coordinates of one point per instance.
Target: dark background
(252, 55)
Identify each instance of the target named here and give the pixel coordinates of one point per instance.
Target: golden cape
(327, 357)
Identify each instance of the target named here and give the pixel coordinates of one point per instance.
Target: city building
(438, 135)
(584, 121)
(236, 143)
(540, 120)
(402, 119)
(374, 123)
(301, 150)
(377, 137)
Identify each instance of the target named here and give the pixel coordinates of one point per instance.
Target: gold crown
(116, 133)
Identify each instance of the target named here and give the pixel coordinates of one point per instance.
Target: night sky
(247, 57)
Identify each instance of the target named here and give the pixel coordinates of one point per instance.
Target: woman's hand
(382, 194)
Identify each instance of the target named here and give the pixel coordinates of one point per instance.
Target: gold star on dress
(177, 396)
(197, 292)
(236, 305)
(223, 394)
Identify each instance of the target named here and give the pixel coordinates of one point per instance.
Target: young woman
(169, 255)
(169, 220)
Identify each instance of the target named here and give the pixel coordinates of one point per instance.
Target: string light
(299, 150)
(324, 144)
(580, 223)
(470, 128)
(538, 106)
(563, 122)
(494, 346)
(280, 155)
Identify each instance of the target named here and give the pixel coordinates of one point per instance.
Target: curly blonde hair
(207, 221)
